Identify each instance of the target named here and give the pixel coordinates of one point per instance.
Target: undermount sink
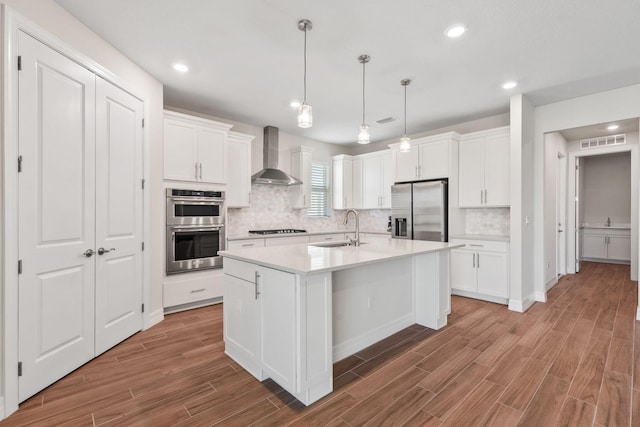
(334, 244)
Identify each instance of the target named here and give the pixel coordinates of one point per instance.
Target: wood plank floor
(574, 361)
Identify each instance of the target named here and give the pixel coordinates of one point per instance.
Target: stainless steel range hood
(271, 174)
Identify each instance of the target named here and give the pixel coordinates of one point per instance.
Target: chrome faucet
(608, 222)
(356, 241)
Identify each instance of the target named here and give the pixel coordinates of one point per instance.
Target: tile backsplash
(271, 209)
(488, 221)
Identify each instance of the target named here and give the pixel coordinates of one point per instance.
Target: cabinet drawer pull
(256, 285)
(245, 245)
(328, 238)
(476, 245)
(195, 291)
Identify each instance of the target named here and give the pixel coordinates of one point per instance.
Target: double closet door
(80, 215)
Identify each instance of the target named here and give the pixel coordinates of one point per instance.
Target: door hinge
(19, 63)
(19, 369)
(19, 266)
(142, 246)
(143, 183)
(142, 122)
(143, 308)
(19, 163)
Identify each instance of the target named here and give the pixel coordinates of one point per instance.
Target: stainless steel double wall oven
(195, 229)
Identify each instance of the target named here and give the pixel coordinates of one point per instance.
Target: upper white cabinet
(194, 148)
(484, 168)
(429, 158)
(301, 169)
(376, 180)
(342, 181)
(238, 193)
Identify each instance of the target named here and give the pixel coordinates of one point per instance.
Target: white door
(619, 248)
(471, 172)
(211, 154)
(118, 215)
(56, 223)
(387, 181)
(463, 270)
(371, 179)
(492, 274)
(561, 215)
(497, 154)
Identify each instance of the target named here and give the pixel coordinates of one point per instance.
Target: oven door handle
(215, 228)
(185, 200)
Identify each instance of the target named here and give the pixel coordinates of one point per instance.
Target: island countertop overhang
(308, 259)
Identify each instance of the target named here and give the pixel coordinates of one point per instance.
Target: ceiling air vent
(603, 141)
(386, 120)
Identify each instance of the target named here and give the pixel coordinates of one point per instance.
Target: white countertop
(308, 259)
(306, 233)
(489, 237)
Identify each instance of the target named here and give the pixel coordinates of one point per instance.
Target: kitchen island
(290, 312)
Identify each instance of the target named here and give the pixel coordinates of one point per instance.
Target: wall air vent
(386, 120)
(603, 141)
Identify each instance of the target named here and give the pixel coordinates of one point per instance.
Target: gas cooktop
(278, 231)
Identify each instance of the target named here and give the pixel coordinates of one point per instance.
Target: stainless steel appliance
(419, 211)
(195, 230)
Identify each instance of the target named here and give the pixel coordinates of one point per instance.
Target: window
(319, 190)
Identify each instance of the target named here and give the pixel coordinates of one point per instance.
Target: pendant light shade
(305, 114)
(363, 133)
(405, 141)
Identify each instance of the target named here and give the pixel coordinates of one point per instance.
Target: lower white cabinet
(480, 269)
(192, 289)
(606, 244)
(326, 237)
(263, 323)
(245, 243)
(286, 240)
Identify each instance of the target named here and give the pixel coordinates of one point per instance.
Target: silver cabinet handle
(200, 170)
(419, 171)
(474, 259)
(485, 196)
(102, 251)
(195, 291)
(88, 253)
(480, 196)
(256, 285)
(246, 245)
(476, 245)
(196, 171)
(478, 260)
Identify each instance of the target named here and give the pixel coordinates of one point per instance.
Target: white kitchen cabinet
(327, 237)
(342, 183)
(429, 158)
(357, 183)
(376, 180)
(238, 192)
(194, 148)
(480, 269)
(606, 244)
(192, 289)
(301, 169)
(484, 170)
(286, 240)
(261, 330)
(245, 243)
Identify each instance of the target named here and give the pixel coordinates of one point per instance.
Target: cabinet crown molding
(240, 136)
(223, 127)
(452, 136)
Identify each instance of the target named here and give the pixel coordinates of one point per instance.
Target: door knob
(88, 253)
(102, 251)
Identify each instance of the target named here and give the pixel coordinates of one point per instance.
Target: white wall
(607, 189)
(555, 144)
(617, 104)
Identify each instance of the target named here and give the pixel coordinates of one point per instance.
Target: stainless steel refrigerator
(419, 211)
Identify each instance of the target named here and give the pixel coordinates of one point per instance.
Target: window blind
(319, 190)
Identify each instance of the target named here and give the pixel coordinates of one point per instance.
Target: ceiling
(246, 57)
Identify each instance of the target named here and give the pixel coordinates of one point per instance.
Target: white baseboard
(483, 297)
(2, 414)
(155, 317)
(520, 305)
(358, 343)
(540, 297)
(551, 283)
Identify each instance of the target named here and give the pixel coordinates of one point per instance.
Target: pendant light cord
(363, 103)
(305, 65)
(405, 110)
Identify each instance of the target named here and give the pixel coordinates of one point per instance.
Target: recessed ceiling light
(180, 67)
(456, 31)
(612, 127)
(295, 104)
(509, 85)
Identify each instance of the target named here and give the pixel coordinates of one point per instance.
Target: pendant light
(363, 133)
(305, 116)
(405, 141)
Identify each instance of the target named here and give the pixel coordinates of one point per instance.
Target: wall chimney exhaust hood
(271, 174)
